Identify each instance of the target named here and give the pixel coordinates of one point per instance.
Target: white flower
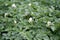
(30, 20)
(48, 23)
(15, 21)
(29, 4)
(14, 5)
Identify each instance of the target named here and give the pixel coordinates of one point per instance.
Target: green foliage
(29, 19)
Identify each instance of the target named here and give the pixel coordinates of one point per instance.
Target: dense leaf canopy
(29, 19)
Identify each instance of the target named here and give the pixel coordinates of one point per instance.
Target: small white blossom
(29, 4)
(48, 23)
(14, 5)
(15, 21)
(30, 20)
